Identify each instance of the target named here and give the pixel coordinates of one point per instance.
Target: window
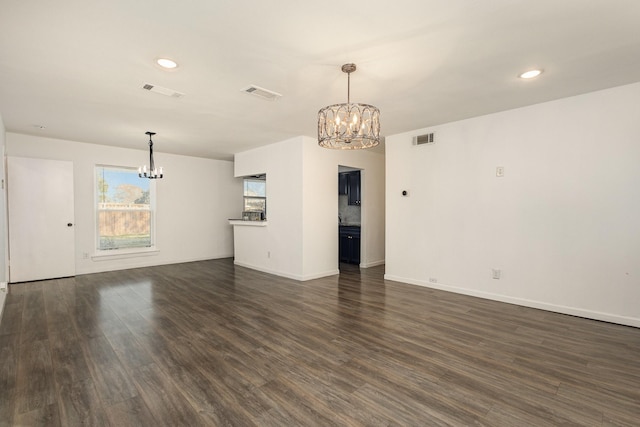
(124, 209)
(255, 194)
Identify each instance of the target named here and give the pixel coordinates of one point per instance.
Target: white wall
(301, 238)
(563, 224)
(194, 200)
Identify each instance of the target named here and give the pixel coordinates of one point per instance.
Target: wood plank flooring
(209, 343)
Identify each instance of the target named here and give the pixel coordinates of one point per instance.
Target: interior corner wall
(4, 236)
(194, 201)
(300, 240)
(562, 225)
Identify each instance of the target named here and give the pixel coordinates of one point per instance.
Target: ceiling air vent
(162, 90)
(261, 92)
(425, 139)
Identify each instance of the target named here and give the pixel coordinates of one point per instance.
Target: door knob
(69, 224)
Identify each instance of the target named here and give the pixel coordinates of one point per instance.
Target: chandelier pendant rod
(151, 163)
(348, 87)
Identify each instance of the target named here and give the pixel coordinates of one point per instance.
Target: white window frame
(105, 254)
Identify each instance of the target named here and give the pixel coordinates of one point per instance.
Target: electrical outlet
(495, 274)
(85, 255)
(433, 280)
(500, 171)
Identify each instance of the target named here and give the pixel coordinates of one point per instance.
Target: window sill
(124, 253)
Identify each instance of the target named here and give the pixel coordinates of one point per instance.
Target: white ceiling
(77, 66)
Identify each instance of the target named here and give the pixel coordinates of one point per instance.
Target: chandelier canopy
(152, 172)
(349, 126)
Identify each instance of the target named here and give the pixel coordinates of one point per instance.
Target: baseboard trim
(153, 262)
(573, 311)
(320, 275)
(3, 298)
(298, 277)
(372, 264)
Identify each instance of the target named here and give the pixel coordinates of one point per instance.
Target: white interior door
(41, 233)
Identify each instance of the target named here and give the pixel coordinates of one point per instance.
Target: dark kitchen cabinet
(354, 188)
(349, 245)
(349, 184)
(343, 184)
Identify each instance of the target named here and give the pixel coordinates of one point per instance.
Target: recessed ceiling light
(167, 63)
(530, 74)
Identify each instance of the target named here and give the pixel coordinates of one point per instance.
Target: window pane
(255, 204)
(124, 209)
(253, 187)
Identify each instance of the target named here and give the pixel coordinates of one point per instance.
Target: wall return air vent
(261, 92)
(162, 90)
(428, 138)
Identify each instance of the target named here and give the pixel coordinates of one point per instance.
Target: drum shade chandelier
(349, 126)
(152, 172)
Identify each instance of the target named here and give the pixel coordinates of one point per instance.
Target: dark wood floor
(207, 343)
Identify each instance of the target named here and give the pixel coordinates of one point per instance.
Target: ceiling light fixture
(530, 74)
(167, 63)
(349, 126)
(152, 172)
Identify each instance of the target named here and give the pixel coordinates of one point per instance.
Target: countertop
(234, 221)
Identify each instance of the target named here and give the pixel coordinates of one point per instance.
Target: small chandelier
(152, 172)
(349, 126)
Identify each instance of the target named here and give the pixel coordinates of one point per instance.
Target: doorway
(349, 214)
